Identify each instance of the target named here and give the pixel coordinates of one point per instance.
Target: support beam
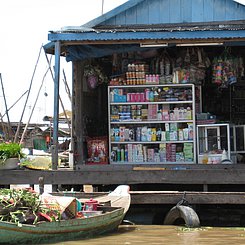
(56, 106)
(173, 197)
(123, 174)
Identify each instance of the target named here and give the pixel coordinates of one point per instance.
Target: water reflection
(173, 235)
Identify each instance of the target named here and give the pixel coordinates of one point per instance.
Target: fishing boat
(89, 224)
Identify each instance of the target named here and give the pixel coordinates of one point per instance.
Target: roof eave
(144, 35)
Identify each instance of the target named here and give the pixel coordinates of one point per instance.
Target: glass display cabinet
(212, 140)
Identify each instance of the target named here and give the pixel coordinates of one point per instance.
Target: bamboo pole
(28, 94)
(25, 129)
(66, 86)
(15, 103)
(62, 105)
(6, 108)
(3, 127)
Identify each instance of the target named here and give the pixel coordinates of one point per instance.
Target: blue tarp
(96, 51)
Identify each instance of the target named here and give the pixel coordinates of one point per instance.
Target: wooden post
(77, 112)
(41, 185)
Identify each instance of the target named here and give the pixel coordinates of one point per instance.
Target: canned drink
(142, 97)
(137, 97)
(132, 97)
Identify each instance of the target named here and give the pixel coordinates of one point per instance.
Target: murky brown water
(167, 235)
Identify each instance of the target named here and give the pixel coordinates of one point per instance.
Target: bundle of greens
(10, 150)
(22, 206)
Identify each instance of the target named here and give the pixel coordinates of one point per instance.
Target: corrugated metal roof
(145, 36)
(234, 29)
(228, 25)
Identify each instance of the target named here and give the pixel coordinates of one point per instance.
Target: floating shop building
(157, 98)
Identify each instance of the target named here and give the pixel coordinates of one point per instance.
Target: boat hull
(64, 230)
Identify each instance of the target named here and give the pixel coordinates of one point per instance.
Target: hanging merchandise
(187, 58)
(94, 76)
(164, 67)
(226, 69)
(191, 67)
(217, 71)
(198, 66)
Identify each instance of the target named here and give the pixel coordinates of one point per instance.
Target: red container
(90, 205)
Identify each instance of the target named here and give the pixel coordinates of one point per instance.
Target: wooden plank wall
(178, 11)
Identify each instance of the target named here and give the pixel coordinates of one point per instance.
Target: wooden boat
(78, 228)
(120, 197)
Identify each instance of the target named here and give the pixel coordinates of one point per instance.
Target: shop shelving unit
(129, 131)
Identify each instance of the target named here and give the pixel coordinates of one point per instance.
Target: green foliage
(10, 150)
(20, 206)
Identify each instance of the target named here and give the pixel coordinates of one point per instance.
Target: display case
(152, 123)
(212, 140)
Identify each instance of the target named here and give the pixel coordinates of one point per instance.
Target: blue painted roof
(141, 35)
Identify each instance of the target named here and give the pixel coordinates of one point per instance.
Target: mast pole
(6, 108)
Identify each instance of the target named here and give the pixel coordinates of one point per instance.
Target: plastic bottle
(188, 113)
(151, 96)
(126, 155)
(122, 155)
(159, 115)
(147, 95)
(71, 161)
(118, 155)
(205, 158)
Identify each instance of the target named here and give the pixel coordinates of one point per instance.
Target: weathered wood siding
(178, 11)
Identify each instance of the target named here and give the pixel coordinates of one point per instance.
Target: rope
(183, 201)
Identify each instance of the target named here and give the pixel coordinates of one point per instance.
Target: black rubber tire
(186, 213)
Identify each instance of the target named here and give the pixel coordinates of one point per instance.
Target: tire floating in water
(182, 212)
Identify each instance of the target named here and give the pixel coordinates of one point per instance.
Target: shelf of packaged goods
(152, 142)
(151, 122)
(138, 163)
(153, 85)
(154, 102)
(171, 100)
